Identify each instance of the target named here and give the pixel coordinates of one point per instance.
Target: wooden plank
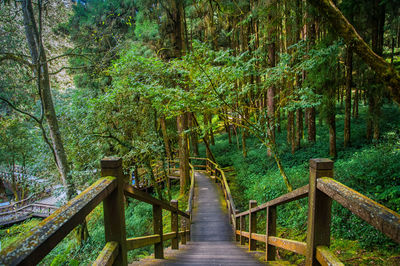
(270, 251)
(143, 196)
(114, 208)
(171, 235)
(291, 245)
(319, 210)
(259, 237)
(174, 226)
(252, 225)
(143, 241)
(39, 241)
(377, 215)
(326, 258)
(158, 230)
(242, 229)
(108, 255)
(245, 234)
(291, 196)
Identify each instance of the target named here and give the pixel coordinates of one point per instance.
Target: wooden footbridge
(206, 228)
(25, 209)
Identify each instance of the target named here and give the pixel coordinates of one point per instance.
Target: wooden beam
(174, 225)
(319, 210)
(291, 245)
(288, 197)
(252, 225)
(38, 242)
(143, 196)
(158, 230)
(270, 250)
(108, 255)
(377, 215)
(143, 241)
(114, 208)
(259, 237)
(326, 258)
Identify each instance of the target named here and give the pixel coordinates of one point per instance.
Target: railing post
(175, 225)
(252, 225)
(319, 210)
(187, 228)
(237, 236)
(242, 228)
(270, 231)
(183, 226)
(114, 209)
(158, 230)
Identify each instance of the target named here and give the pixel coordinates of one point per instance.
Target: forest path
(211, 234)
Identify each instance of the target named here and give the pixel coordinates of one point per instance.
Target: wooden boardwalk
(211, 234)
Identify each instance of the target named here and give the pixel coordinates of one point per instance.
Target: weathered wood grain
(108, 255)
(326, 258)
(291, 245)
(377, 215)
(42, 239)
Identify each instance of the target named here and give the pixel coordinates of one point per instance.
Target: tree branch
(385, 71)
(16, 58)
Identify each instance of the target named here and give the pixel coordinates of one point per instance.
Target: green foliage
(371, 169)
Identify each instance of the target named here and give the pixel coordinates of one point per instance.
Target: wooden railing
(322, 189)
(25, 212)
(109, 190)
(18, 204)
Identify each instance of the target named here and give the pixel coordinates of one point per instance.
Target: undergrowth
(371, 168)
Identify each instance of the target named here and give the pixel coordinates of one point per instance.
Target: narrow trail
(212, 237)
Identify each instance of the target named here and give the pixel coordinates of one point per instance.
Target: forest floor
(372, 168)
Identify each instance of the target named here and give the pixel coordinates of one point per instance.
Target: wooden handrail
(142, 196)
(321, 190)
(108, 254)
(377, 215)
(40, 240)
(291, 196)
(110, 190)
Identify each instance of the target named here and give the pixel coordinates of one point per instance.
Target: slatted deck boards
(211, 239)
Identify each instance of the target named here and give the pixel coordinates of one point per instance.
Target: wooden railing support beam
(242, 229)
(319, 210)
(252, 225)
(183, 225)
(114, 209)
(237, 237)
(187, 229)
(175, 225)
(270, 231)
(158, 230)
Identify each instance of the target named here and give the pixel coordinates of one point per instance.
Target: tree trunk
(183, 153)
(193, 136)
(272, 63)
(38, 56)
(165, 137)
(332, 135)
(299, 124)
(347, 111)
(209, 116)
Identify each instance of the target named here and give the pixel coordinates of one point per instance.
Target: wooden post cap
(252, 203)
(321, 164)
(174, 201)
(111, 162)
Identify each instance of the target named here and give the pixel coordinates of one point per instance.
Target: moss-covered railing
(322, 189)
(111, 190)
